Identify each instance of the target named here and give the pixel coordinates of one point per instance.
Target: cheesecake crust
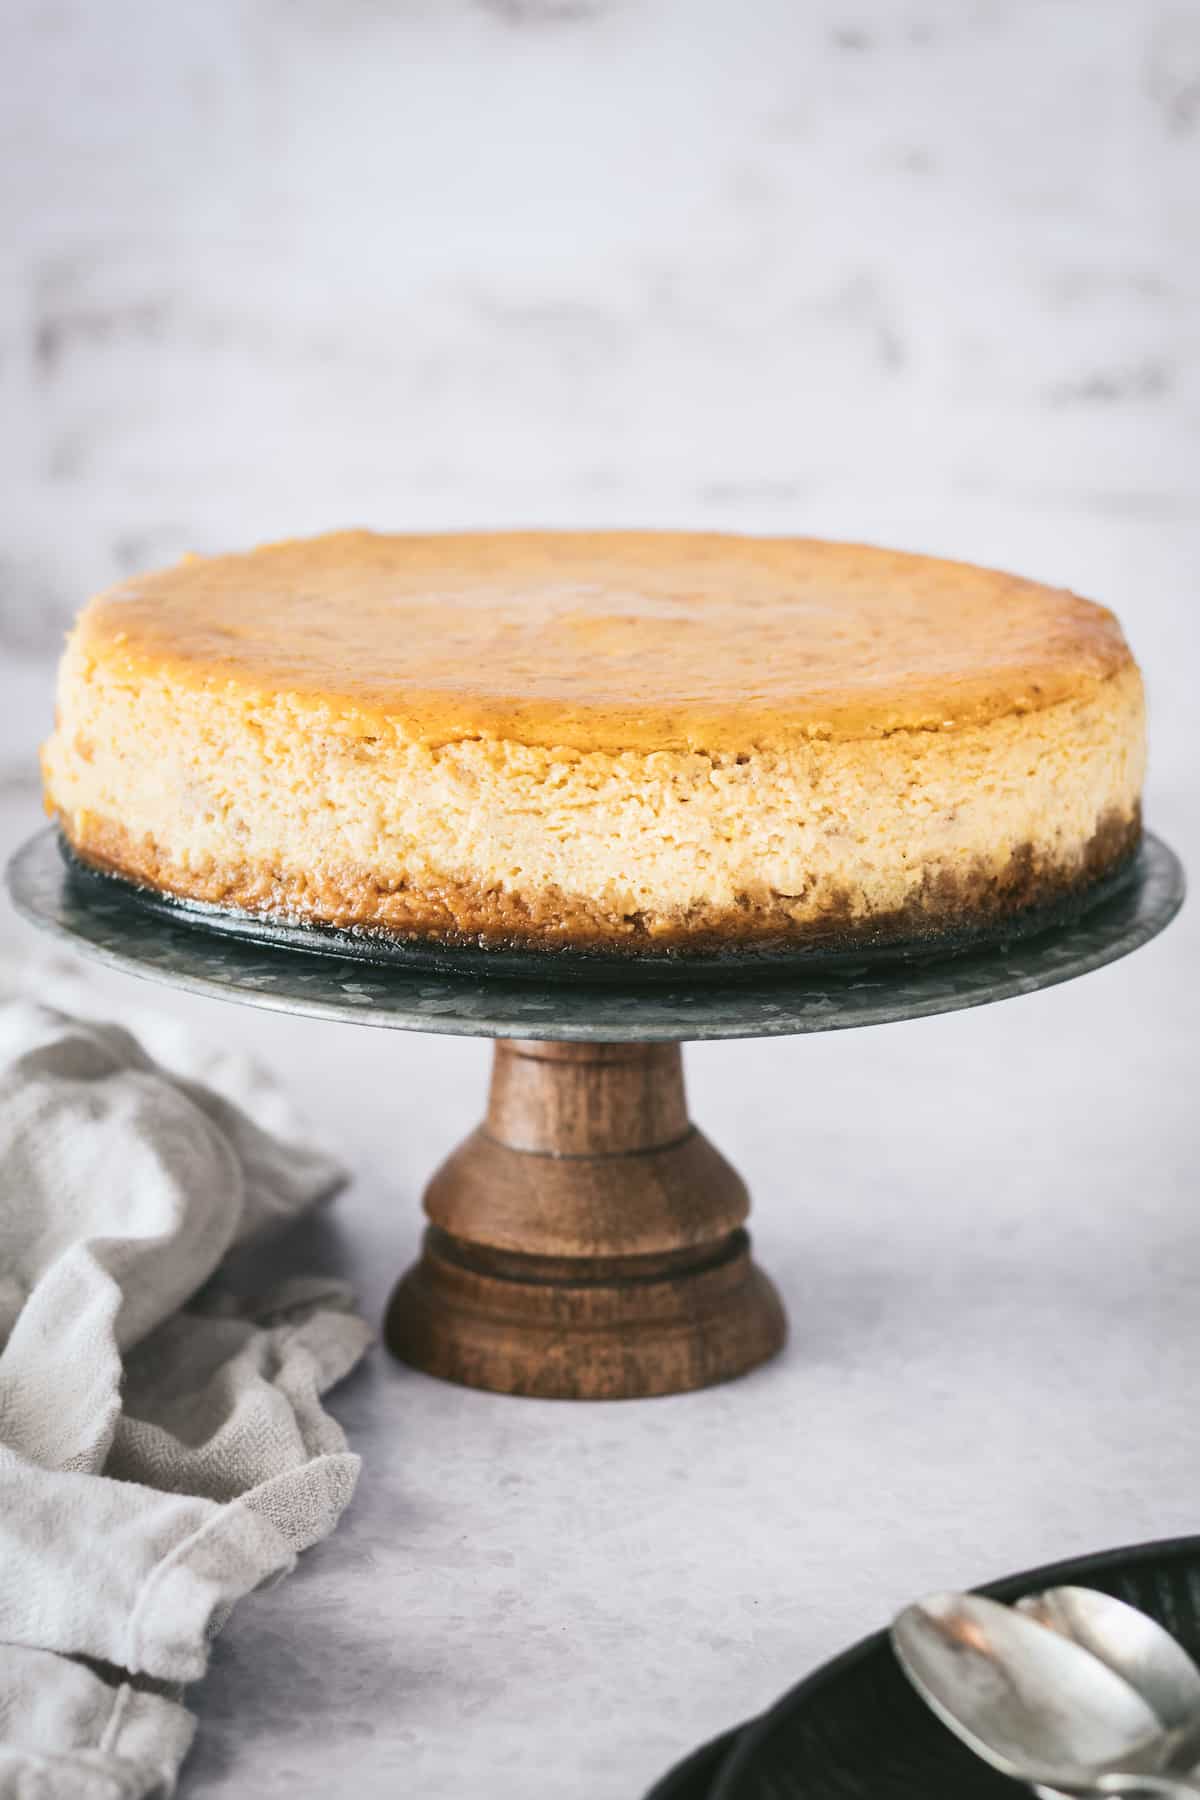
(463, 913)
(625, 741)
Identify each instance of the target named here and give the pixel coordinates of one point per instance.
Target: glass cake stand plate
(588, 1241)
(486, 993)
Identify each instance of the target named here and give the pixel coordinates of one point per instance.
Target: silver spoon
(1134, 1646)
(1030, 1702)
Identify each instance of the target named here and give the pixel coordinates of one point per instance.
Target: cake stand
(586, 1241)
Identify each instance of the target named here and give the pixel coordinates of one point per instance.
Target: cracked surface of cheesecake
(615, 739)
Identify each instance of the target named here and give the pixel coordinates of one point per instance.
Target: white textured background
(920, 271)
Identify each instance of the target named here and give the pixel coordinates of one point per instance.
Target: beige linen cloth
(162, 1450)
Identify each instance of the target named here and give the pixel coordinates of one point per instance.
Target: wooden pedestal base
(586, 1242)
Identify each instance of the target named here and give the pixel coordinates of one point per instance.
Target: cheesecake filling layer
(291, 805)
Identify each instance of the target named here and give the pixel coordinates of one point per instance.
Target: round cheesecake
(632, 741)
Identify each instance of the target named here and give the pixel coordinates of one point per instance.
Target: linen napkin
(163, 1445)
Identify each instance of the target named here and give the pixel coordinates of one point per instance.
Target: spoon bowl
(1132, 1645)
(1032, 1702)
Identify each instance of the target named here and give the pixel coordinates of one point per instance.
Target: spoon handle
(1128, 1787)
(1148, 1787)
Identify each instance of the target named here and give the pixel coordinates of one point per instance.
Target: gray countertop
(983, 1227)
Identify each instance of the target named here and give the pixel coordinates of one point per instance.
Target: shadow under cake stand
(586, 1241)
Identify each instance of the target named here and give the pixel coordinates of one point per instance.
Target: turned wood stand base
(586, 1242)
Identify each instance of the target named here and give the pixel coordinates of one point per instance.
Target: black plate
(855, 1730)
(572, 965)
(693, 1778)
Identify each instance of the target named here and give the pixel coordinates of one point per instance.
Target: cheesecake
(623, 741)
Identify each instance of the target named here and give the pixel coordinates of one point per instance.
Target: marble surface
(916, 271)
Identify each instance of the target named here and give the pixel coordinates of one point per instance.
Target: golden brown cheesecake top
(612, 640)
